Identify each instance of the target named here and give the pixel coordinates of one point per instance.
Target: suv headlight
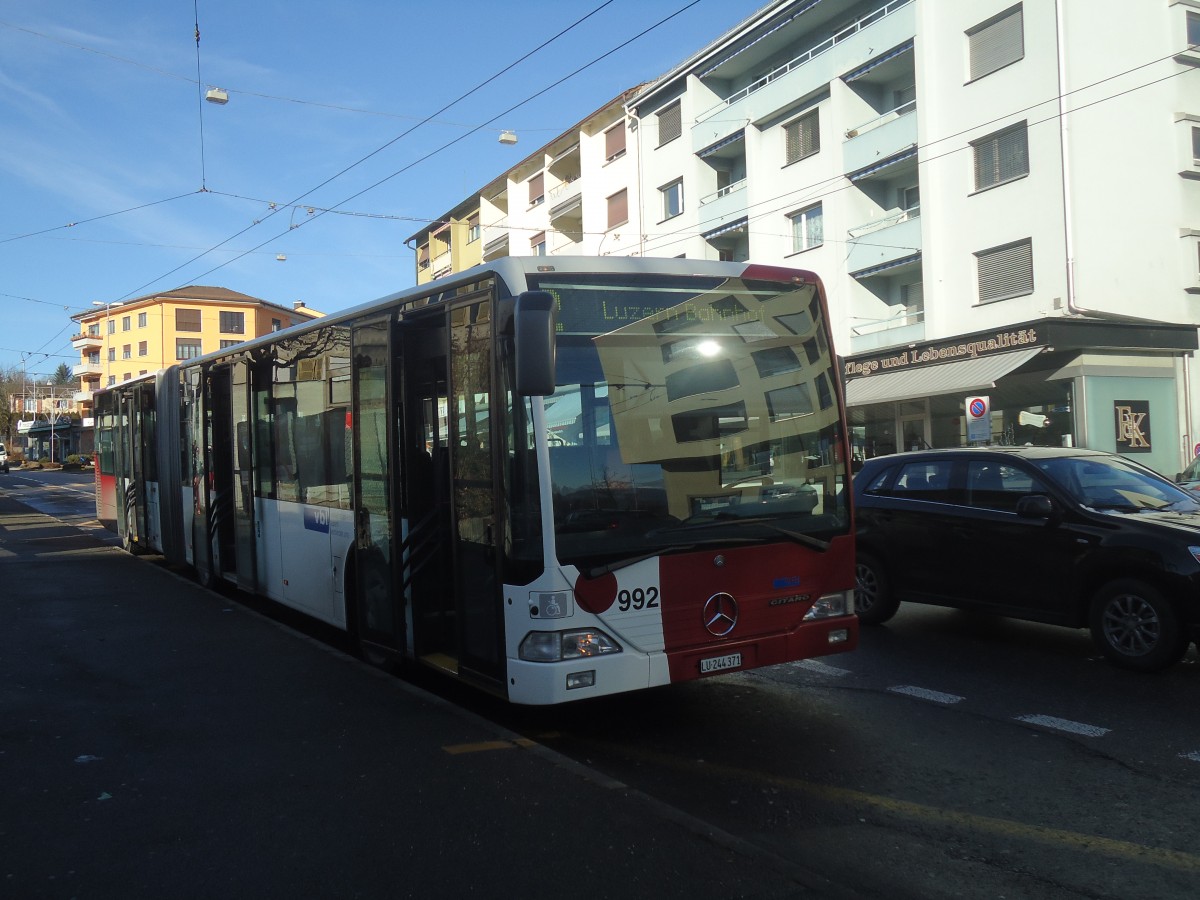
(554, 646)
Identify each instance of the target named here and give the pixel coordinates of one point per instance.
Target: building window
(126, 323)
(1193, 29)
(143, 348)
(1005, 271)
(142, 320)
(670, 124)
(277, 324)
(808, 229)
(187, 320)
(1001, 157)
(618, 208)
(233, 323)
(537, 189)
(996, 43)
(614, 142)
(112, 379)
(187, 348)
(112, 326)
(1196, 145)
(672, 199)
(801, 138)
(126, 351)
(225, 344)
(537, 244)
(473, 228)
(112, 354)
(94, 330)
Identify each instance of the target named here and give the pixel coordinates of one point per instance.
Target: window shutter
(802, 138)
(618, 208)
(670, 124)
(1002, 157)
(614, 142)
(537, 189)
(1006, 271)
(996, 43)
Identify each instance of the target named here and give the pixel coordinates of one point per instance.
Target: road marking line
(479, 747)
(925, 694)
(1061, 838)
(455, 749)
(820, 668)
(1065, 725)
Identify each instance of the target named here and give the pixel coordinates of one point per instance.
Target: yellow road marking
(1059, 837)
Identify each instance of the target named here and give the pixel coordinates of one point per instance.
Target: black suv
(1071, 537)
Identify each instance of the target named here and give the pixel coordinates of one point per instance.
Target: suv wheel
(1136, 627)
(873, 598)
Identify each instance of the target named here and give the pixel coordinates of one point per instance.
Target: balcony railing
(890, 116)
(887, 221)
(724, 192)
(903, 320)
(807, 56)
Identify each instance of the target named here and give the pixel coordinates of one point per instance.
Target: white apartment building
(1002, 199)
(576, 195)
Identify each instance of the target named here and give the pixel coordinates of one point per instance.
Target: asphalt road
(950, 756)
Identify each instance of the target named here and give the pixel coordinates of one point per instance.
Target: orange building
(121, 340)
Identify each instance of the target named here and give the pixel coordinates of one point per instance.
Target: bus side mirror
(533, 338)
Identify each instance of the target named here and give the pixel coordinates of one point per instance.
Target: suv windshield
(691, 410)
(1110, 483)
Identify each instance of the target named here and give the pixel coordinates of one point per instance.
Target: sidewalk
(158, 740)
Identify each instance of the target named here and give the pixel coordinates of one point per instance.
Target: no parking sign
(979, 419)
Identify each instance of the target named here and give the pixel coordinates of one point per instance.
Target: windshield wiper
(728, 519)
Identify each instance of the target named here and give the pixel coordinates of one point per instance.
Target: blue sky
(104, 126)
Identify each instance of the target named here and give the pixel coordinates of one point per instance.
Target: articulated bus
(551, 478)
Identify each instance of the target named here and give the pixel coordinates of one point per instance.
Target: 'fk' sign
(1133, 425)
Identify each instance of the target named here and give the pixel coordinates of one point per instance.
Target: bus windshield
(691, 411)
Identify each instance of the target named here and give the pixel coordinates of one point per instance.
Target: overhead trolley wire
(373, 153)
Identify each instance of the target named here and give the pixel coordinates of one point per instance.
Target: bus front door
(450, 499)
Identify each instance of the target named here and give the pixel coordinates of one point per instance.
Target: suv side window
(996, 485)
(925, 480)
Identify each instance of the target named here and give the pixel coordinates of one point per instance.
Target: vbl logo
(316, 518)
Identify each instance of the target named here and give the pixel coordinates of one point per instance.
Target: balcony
(87, 341)
(884, 243)
(888, 26)
(897, 331)
(82, 370)
(566, 201)
(727, 203)
(872, 145)
(84, 396)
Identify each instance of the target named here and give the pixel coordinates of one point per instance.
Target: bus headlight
(828, 606)
(554, 646)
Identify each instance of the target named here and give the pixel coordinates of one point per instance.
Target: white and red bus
(554, 478)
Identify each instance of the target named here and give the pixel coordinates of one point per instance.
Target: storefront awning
(964, 376)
